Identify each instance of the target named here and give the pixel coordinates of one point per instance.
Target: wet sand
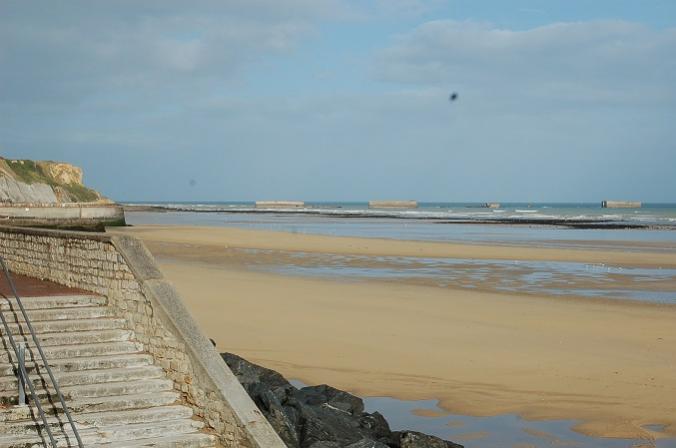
(610, 364)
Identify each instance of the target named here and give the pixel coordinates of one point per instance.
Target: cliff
(43, 182)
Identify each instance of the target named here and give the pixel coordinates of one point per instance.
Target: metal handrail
(22, 367)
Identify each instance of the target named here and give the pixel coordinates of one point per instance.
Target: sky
(345, 100)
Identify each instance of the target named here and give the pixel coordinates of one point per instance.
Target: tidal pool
(554, 278)
(501, 431)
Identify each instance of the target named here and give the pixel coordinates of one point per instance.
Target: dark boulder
(412, 439)
(320, 416)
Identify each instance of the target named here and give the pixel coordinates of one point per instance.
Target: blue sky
(346, 100)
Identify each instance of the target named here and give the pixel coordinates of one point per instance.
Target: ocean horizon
(580, 214)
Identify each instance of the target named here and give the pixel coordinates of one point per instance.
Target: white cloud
(126, 87)
(409, 8)
(599, 61)
(68, 52)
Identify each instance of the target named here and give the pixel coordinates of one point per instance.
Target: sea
(550, 224)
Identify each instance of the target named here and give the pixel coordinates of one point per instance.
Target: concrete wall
(620, 204)
(62, 215)
(121, 269)
(393, 204)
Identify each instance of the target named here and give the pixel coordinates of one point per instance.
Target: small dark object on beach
(453, 96)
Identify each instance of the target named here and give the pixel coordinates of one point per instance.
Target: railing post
(22, 368)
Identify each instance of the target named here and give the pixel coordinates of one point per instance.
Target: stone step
(142, 386)
(197, 440)
(107, 434)
(92, 405)
(72, 337)
(102, 404)
(50, 314)
(27, 423)
(42, 302)
(113, 403)
(75, 350)
(52, 326)
(10, 383)
(84, 363)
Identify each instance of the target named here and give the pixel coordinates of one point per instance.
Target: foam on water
(653, 214)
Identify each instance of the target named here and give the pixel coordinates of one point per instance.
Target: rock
(367, 444)
(63, 173)
(320, 416)
(323, 394)
(412, 439)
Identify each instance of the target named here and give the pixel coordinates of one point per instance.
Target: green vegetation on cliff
(29, 172)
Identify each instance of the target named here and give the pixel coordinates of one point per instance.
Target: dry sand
(611, 365)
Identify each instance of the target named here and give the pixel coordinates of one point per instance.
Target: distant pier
(280, 204)
(393, 204)
(621, 204)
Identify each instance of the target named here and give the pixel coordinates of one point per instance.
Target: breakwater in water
(572, 215)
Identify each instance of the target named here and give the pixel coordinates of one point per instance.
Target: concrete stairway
(117, 396)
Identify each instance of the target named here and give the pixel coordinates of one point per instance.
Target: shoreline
(315, 243)
(520, 221)
(478, 353)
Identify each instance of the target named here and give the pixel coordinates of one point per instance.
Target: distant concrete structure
(393, 204)
(621, 204)
(492, 205)
(280, 204)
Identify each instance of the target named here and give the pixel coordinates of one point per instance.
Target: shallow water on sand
(501, 431)
(656, 285)
(423, 230)
(494, 432)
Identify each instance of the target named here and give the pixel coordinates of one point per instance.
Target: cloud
(611, 61)
(224, 92)
(407, 8)
(64, 53)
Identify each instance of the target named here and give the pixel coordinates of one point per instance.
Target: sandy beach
(609, 364)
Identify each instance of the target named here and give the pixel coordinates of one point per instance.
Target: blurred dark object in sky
(453, 96)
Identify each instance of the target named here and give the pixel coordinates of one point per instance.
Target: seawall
(121, 269)
(69, 216)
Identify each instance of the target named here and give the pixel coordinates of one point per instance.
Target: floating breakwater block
(393, 204)
(621, 204)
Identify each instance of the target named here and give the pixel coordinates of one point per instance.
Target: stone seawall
(121, 269)
(73, 215)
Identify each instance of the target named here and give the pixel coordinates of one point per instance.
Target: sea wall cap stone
(142, 264)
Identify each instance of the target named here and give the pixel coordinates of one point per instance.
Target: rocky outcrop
(63, 173)
(13, 191)
(321, 416)
(43, 183)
